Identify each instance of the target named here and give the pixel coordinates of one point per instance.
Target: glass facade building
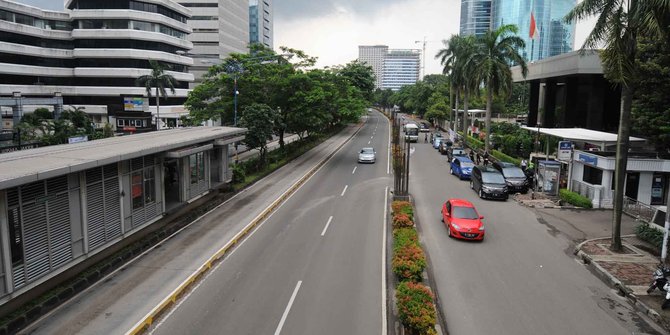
(401, 67)
(475, 17)
(554, 36)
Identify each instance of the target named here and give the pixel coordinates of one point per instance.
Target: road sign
(564, 151)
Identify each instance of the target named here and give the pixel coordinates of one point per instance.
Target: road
(522, 279)
(314, 267)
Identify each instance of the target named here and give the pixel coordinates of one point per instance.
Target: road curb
(145, 323)
(615, 283)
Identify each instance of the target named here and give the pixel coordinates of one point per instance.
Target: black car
(488, 182)
(444, 146)
(515, 178)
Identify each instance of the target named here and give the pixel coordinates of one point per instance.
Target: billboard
(133, 104)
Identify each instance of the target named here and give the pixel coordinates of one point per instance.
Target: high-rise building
(92, 55)
(475, 17)
(401, 67)
(374, 55)
(220, 27)
(261, 22)
(554, 36)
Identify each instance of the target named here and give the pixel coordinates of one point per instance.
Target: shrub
(415, 306)
(239, 175)
(402, 207)
(408, 262)
(575, 198)
(505, 158)
(402, 220)
(403, 237)
(649, 234)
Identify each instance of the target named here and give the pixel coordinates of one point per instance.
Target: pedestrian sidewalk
(629, 271)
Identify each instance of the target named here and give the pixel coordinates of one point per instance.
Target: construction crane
(423, 54)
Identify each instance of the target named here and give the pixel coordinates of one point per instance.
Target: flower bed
(414, 300)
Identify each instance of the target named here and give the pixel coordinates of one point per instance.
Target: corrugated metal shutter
(60, 235)
(36, 243)
(103, 205)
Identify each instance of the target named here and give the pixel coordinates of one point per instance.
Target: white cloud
(334, 38)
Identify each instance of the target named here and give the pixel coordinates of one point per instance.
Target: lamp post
(537, 149)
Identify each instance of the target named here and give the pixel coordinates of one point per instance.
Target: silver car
(367, 155)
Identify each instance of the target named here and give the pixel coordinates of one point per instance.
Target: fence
(638, 210)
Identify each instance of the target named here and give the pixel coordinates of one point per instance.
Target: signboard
(564, 151)
(133, 104)
(588, 159)
(77, 139)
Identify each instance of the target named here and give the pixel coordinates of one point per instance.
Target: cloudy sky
(332, 30)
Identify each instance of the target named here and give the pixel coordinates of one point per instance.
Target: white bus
(411, 132)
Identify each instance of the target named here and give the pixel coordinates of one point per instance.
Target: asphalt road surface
(522, 279)
(313, 267)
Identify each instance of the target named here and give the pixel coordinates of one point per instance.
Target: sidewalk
(629, 272)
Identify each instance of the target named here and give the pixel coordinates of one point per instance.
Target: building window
(197, 167)
(592, 175)
(143, 187)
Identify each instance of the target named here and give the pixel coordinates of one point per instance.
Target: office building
(374, 55)
(554, 36)
(475, 17)
(261, 22)
(91, 56)
(401, 67)
(220, 27)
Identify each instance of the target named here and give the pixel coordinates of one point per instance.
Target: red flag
(533, 33)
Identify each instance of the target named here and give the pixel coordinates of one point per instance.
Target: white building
(401, 68)
(261, 22)
(220, 27)
(374, 56)
(92, 53)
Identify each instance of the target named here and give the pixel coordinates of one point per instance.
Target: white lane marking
(369, 142)
(330, 219)
(344, 190)
(288, 308)
(384, 321)
(355, 167)
(388, 152)
(371, 137)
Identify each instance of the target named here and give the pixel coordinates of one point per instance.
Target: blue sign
(564, 145)
(588, 159)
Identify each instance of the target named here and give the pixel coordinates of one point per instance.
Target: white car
(367, 155)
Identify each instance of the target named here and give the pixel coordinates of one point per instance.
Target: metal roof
(582, 134)
(21, 167)
(567, 64)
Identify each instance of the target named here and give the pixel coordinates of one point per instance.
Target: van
(514, 177)
(488, 182)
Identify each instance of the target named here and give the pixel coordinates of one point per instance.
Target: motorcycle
(660, 279)
(666, 302)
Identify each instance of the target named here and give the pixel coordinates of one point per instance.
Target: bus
(411, 132)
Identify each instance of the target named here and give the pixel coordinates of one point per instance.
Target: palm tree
(453, 58)
(619, 24)
(495, 51)
(158, 80)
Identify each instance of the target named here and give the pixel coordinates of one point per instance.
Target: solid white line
(355, 167)
(344, 190)
(384, 321)
(323, 233)
(288, 308)
(388, 155)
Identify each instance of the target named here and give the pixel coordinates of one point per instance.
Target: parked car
(367, 155)
(437, 141)
(514, 177)
(455, 151)
(488, 182)
(461, 166)
(462, 220)
(444, 146)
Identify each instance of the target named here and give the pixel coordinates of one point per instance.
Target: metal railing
(638, 209)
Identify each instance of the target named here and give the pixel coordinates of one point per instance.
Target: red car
(462, 220)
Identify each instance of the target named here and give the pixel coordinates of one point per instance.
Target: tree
(361, 76)
(495, 51)
(258, 119)
(618, 27)
(160, 81)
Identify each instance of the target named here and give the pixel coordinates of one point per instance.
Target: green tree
(159, 81)
(258, 119)
(619, 24)
(650, 112)
(495, 50)
(360, 76)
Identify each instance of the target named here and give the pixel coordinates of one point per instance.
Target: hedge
(416, 310)
(575, 198)
(408, 262)
(403, 207)
(402, 220)
(403, 237)
(501, 156)
(649, 234)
